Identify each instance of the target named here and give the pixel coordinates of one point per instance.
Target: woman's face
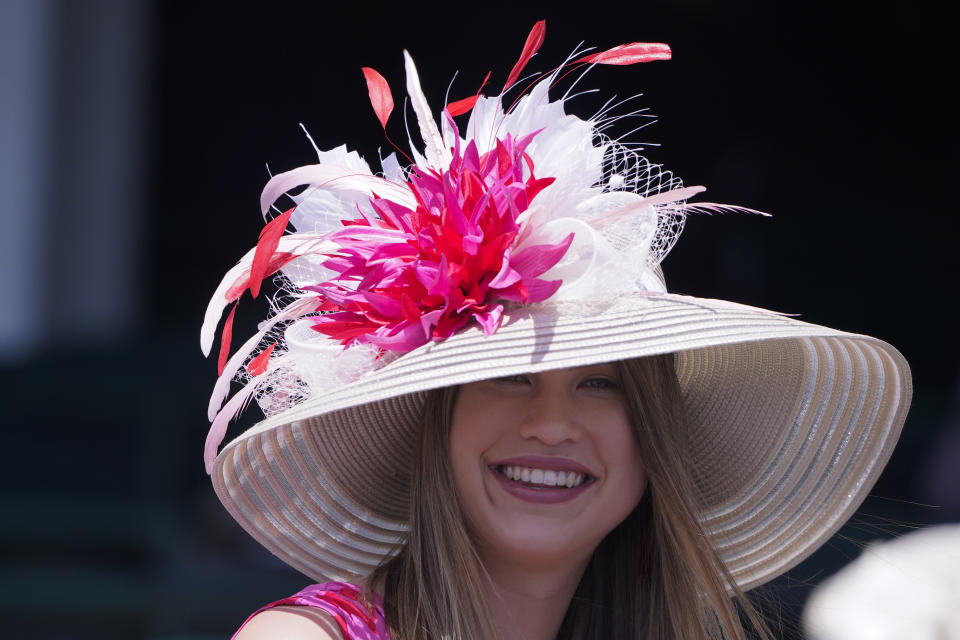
(546, 464)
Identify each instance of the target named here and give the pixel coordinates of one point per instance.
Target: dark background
(135, 139)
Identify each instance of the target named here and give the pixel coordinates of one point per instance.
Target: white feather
(438, 157)
(392, 169)
(334, 178)
(220, 422)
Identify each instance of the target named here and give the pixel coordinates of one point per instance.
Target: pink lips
(541, 495)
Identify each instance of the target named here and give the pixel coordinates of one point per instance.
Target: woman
(488, 416)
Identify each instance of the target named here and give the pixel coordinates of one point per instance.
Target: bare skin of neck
(529, 602)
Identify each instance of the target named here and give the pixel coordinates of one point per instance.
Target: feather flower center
(406, 276)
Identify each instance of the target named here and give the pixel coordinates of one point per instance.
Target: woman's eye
(517, 379)
(601, 384)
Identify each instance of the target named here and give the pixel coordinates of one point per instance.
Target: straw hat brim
(790, 425)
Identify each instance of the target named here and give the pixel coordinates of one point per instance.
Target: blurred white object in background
(74, 82)
(24, 60)
(907, 588)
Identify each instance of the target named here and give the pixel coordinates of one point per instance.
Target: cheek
(463, 438)
(477, 425)
(467, 444)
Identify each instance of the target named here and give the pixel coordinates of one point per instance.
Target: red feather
(276, 262)
(534, 41)
(462, 106)
(266, 248)
(380, 96)
(259, 364)
(225, 337)
(630, 54)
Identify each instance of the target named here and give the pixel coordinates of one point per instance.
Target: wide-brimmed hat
(527, 241)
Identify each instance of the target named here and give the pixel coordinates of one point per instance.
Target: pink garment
(346, 604)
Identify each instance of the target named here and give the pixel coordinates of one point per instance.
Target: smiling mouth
(542, 478)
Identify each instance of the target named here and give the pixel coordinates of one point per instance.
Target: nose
(551, 420)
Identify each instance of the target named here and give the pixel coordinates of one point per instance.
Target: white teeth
(545, 477)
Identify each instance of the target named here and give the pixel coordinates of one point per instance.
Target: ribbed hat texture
(790, 424)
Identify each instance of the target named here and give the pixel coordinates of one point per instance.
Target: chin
(534, 547)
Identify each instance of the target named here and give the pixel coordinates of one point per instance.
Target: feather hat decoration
(526, 201)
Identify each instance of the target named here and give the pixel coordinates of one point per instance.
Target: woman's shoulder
(291, 623)
(328, 611)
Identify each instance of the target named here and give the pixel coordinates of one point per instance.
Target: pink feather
(218, 429)
(713, 207)
(380, 96)
(664, 197)
(673, 195)
(630, 54)
(530, 47)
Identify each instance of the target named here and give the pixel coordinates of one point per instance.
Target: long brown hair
(655, 576)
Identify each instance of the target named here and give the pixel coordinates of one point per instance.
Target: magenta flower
(407, 276)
